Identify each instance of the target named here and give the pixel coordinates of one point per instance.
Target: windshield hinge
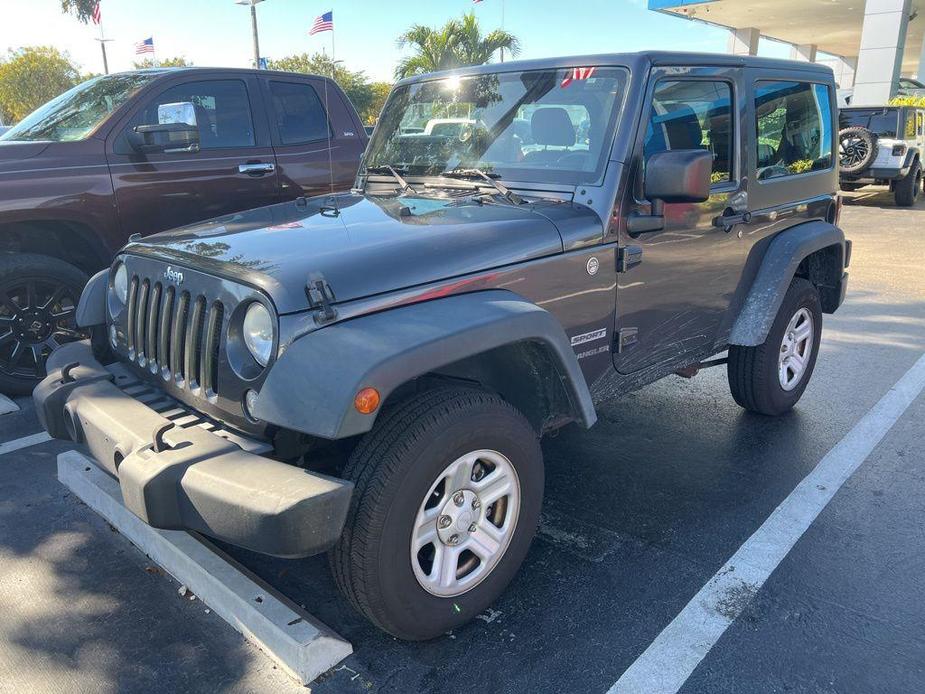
(628, 257)
(320, 296)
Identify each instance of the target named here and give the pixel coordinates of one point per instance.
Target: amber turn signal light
(366, 401)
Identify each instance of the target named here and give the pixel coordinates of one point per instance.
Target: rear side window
(223, 112)
(693, 114)
(299, 113)
(794, 124)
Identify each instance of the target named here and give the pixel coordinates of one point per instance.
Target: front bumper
(179, 471)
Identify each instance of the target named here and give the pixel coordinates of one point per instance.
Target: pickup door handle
(256, 168)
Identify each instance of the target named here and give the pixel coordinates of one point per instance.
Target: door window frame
(695, 75)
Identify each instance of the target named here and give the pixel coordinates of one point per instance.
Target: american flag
(146, 46)
(324, 22)
(97, 17)
(576, 73)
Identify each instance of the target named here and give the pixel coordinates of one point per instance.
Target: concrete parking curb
(301, 644)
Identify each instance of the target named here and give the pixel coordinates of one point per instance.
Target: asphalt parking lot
(640, 512)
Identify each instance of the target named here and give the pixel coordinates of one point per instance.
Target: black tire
(850, 187)
(906, 190)
(30, 330)
(393, 468)
(857, 149)
(754, 371)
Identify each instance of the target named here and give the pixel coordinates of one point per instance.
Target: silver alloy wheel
(465, 523)
(796, 349)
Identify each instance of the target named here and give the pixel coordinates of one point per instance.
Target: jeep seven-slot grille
(174, 333)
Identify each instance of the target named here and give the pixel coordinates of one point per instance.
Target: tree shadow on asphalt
(87, 611)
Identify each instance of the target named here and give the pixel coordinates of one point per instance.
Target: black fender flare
(778, 267)
(91, 308)
(312, 386)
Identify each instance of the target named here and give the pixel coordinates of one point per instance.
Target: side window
(910, 124)
(223, 112)
(300, 116)
(693, 114)
(920, 123)
(794, 127)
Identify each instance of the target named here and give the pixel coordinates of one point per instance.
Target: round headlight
(120, 283)
(258, 332)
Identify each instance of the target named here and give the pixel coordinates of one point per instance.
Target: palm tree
(458, 42)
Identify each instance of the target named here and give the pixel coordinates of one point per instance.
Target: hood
(367, 246)
(13, 150)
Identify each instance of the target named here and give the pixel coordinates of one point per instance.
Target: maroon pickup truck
(140, 152)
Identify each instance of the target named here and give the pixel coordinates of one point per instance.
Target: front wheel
(448, 492)
(38, 306)
(770, 378)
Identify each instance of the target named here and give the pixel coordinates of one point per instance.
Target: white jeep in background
(882, 145)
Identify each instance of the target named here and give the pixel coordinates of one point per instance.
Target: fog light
(366, 401)
(250, 403)
(113, 335)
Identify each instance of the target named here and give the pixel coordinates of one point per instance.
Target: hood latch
(320, 296)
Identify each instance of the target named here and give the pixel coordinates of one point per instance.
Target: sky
(218, 32)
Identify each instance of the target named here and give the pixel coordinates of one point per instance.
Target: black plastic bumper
(176, 477)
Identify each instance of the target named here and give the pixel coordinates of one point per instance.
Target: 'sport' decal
(589, 337)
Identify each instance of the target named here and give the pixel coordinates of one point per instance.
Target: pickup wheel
(448, 492)
(769, 379)
(906, 190)
(38, 304)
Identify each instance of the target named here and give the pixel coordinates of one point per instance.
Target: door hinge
(628, 257)
(626, 338)
(320, 296)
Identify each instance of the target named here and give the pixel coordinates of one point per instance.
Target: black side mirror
(673, 176)
(176, 130)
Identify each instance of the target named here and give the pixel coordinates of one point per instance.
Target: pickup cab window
(222, 110)
(79, 111)
(794, 128)
(300, 116)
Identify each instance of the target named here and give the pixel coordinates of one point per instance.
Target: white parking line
(24, 442)
(667, 663)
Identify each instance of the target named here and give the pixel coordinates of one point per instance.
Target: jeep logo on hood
(172, 275)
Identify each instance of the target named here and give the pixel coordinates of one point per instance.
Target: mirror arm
(637, 224)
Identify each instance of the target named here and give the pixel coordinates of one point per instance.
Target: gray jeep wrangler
(522, 241)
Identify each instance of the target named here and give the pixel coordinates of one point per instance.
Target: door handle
(257, 168)
(729, 218)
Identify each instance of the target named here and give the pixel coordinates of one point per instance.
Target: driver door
(671, 307)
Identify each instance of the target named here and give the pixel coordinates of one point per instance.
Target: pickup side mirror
(175, 131)
(679, 175)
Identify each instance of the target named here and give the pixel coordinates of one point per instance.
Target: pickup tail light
(899, 150)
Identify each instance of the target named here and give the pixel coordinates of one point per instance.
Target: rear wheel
(448, 493)
(906, 190)
(770, 378)
(38, 306)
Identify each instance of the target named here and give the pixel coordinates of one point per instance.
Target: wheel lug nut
(472, 528)
(459, 499)
(454, 539)
(444, 521)
(476, 504)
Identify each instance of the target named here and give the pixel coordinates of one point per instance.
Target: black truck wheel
(447, 500)
(857, 149)
(906, 190)
(38, 303)
(769, 379)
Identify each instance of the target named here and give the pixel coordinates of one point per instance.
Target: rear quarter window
(794, 128)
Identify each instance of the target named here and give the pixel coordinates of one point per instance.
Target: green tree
(82, 9)
(31, 76)
(458, 42)
(355, 84)
(178, 61)
(380, 94)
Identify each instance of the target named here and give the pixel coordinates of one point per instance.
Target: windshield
(77, 113)
(538, 126)
(880, 121)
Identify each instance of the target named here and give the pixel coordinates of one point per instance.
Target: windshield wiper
(386, 168)
(472, 174)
